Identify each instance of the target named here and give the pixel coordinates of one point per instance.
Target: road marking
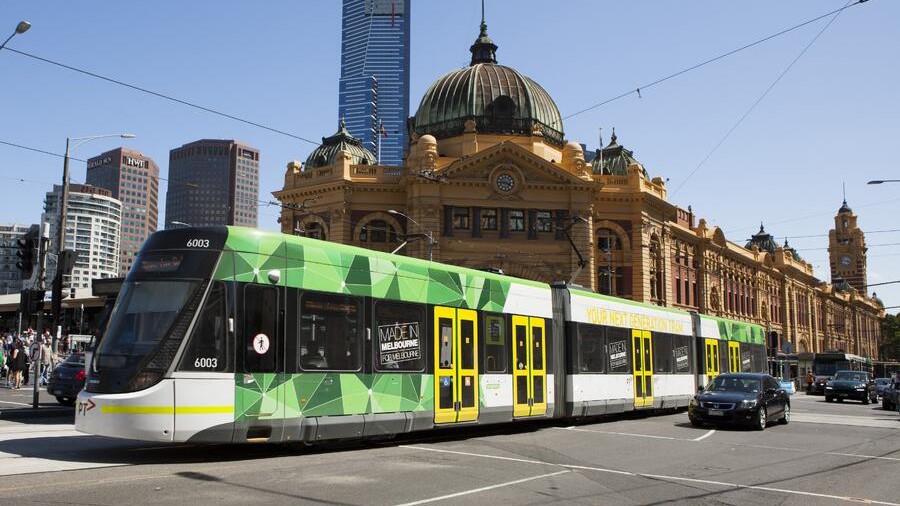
(663, 477)
(623, 434)
(482, 489)
(16, 403)
(701, 438)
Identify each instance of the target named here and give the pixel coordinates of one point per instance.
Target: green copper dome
(614, 159)
(761, 239)
(327, 153)
(499, 100)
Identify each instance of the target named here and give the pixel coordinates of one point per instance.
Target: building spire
(483, 50)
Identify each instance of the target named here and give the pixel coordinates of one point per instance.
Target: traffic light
(27, 253)
(32, 301)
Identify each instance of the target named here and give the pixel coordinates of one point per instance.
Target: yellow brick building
(490, 182)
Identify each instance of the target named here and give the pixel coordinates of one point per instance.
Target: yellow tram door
(530, 362)
(456, 365)
(712, 359)
(734, 356)
(642, 347)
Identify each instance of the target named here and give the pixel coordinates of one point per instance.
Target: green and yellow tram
(227, 334)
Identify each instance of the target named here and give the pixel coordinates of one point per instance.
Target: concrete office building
(133, 179)
(373, 91)
(213, 182)
(93, 220)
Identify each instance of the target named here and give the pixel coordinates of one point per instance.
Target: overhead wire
(763, 96)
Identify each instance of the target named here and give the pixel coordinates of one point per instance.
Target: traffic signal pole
(43, 245)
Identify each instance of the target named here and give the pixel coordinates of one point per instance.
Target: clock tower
(847, 250)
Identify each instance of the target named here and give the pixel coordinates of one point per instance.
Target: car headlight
(694, 402)
(748, 403)
(860, 388)
(827, 388)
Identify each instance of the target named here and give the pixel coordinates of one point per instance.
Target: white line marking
(895, 459)
(482, 489)
(701, 438)
(16, 403)
(641, 475)
(623, 434)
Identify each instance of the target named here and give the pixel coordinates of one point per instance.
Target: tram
(229, 334)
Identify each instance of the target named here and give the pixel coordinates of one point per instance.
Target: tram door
(259, 399)
(712, 359)
(529, 360)
(456, 365)
(641, 345)
(734, 356)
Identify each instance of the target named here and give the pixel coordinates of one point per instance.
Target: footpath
(18, 404)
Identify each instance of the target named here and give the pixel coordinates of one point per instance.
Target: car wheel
(65, 401)
(828, 399)
(695, 422)
(761, 419)
(786, 416)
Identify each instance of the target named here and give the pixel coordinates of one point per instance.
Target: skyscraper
(373, 92)
(93, 221)
(133, 179)
(213, 182)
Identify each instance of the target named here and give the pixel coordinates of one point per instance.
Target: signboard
(399, 342)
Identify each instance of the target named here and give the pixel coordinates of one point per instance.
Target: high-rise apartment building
(93, 220)
(10, 276)
(213, 182)
(373, 91)
(133, 179)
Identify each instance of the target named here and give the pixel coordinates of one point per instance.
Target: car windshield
(883, 381)
(850, 376)
(733, 384)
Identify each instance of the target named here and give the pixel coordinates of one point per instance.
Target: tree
(890, 337)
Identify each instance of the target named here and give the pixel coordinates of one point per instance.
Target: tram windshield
(143, 315)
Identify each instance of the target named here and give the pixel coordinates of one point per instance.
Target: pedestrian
(810, 378)
(47, 361)
(20, 364)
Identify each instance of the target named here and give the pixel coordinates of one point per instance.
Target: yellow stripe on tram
(165, 410)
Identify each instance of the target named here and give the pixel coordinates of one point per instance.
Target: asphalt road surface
(845, 453)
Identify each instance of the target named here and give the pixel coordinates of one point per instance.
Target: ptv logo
(84, 407)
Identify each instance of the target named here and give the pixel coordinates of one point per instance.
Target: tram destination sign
(399, 342)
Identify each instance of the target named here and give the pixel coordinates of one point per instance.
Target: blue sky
(831, 119)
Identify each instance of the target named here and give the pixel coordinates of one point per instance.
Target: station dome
(498, 98)
(326, 154)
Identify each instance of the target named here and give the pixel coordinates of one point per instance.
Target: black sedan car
(751, 399)
(818, 386)
(858, 385)
(67, 379)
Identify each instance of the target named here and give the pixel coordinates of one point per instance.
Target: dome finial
(762, 229)
(484, 49)
(613, 139)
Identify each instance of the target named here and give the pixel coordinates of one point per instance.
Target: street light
(879, 181)
(63, 204)
(22, 27)
(427, 235)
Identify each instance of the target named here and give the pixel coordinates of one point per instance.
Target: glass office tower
(373, 95)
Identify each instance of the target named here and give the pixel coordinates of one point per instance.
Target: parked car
(818, 386)
(891, 399)
(882, 384)
(67, 379)
(857, 385)
(740, 398)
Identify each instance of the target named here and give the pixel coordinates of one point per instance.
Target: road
(844, 453)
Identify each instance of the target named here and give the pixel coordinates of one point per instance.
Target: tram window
(618, 349)
(399, 341)
(260, 328)
(329, 332)
(208, 347)
(681, 353)
(590, 348)
(467, 344)
(495, 344)
(758, 358)
(537, 352)
(662, 352)
(746, 357)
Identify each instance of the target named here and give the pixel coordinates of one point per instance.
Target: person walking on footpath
(810, 378)
(20, 364)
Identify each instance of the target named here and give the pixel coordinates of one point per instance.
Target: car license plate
(716, 412)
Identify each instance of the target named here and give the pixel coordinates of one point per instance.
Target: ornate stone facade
(524, 203)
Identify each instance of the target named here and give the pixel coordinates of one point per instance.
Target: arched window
(656, 272)
(315, 230)
(377, 231)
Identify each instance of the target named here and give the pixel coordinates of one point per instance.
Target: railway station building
(489, 181)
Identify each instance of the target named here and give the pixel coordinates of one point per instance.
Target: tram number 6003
(198, 243)
(203, 363)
